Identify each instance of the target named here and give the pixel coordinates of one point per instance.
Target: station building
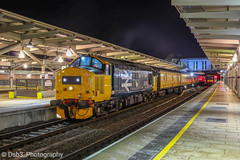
(197, 64)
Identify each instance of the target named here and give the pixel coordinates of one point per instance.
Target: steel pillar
(54, 72)
(238, 72)
(43, 71)
(11, 78)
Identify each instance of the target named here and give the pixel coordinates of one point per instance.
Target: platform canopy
(51, 43)
(215, 24)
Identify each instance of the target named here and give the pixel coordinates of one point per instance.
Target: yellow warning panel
(11, 94)
(39, 95)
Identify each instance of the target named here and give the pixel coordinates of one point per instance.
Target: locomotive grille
(99, 84)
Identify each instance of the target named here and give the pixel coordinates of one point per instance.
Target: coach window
(150, 78)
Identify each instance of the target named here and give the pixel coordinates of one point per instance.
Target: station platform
(206, 127)
(22, 111)
(7, 105)
(6, 90)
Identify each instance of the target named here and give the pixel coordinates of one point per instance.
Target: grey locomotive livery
(129, 78)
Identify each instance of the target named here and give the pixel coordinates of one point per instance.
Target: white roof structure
(216, 26)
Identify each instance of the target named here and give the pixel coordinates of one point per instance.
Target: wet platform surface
(213, 134)
(8, 105)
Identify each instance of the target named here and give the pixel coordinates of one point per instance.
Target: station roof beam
(231, 37)
(58, 39)
(16, 28)
(230, 24)
(206, 2)
(113, 54)
(72, 43)
(9, 48)
(38, 35)
(97, 49)
(36, 59)
(217, 31)
(87, 46)
(219, 41)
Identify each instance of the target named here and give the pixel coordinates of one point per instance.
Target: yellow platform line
(176, 138)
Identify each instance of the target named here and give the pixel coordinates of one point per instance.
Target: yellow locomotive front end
(76, 90)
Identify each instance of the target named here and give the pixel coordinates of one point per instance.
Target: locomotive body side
(93, 86)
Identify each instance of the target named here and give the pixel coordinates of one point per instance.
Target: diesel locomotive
(93, 86)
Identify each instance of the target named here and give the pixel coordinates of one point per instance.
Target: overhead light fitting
(28, 75)
(69, 53)
(60, 59)
(29, 45)
(25, 66)
(235, 58)
(21, 54)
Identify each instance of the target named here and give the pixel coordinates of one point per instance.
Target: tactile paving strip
(217, 120)
(222, 103)
(213, 107)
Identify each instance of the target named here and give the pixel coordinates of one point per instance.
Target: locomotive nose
(72, 85)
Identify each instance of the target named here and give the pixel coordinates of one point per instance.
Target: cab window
(85, 61)
(75, 63)
(96, 63)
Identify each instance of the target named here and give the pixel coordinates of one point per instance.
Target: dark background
(152, 27)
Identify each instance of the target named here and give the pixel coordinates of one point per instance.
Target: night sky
(152, 27)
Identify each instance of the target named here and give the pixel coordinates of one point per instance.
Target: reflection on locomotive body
(93, 86)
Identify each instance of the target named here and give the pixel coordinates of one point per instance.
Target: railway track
(11, 140)
(99, 144)
(19, 138)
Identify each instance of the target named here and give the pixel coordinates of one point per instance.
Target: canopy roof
(51, 42)
(215, 24)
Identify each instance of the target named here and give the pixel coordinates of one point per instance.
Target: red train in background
(208, 78)
(212, 78)
(202, 80)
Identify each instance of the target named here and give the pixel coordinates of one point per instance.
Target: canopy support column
(11, 78)
(238, 72)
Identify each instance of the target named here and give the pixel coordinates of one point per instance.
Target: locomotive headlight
(64, 79)
(70, 88)
(77, 79)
